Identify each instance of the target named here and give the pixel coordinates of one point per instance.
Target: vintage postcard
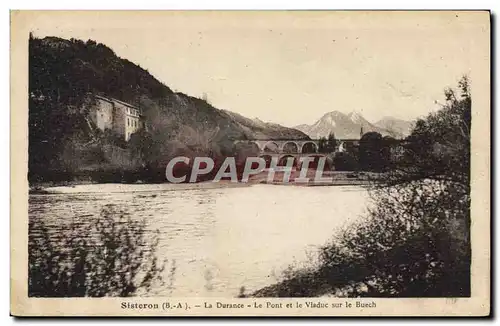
(250, 163)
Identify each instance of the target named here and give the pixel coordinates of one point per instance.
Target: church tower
(361, 133)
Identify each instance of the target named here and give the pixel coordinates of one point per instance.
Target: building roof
(110, 99)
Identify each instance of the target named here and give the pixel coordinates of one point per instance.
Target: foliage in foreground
(117, 260)
(410, 245)
(415, 241)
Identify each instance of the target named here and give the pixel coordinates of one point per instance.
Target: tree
(389, 144)
(142, 145)
(331, 143)
(432, 187)
(344, 161)
(370, 151)
(327, 145)
(204, 97)
(322, 145)
(439, 146)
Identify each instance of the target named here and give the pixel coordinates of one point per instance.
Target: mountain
(395, 125)
(62, 74)
(258, 129)
(303, 127)
(344, 126)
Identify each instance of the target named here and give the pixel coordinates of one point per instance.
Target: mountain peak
(356, 117)
(344, 126)
(333, 114)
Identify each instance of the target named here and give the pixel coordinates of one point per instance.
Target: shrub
(345, 162)
(413, 243)
(117, 260)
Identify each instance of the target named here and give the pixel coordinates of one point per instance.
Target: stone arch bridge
(283, 146)
(283, 149)
(292, 146)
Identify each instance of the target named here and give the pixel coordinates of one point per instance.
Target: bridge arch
(271, 147)
(290, 147)
(255, 145)
(309, 147)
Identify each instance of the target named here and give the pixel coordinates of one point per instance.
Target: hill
(62, 74)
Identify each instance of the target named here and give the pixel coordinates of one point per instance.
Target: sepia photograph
(247, 159)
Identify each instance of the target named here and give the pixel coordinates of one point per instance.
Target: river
(219, 238)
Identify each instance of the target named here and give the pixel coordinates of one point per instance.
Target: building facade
(122, 118)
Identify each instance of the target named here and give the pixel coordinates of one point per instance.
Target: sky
(292, 67)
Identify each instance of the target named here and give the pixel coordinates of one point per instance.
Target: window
(128, 122)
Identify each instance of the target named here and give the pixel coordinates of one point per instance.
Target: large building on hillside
(122, 118)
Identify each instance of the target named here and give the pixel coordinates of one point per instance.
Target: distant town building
(121, 117)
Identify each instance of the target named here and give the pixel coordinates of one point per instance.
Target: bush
(345, 162)
(117, 260)
(413, 243)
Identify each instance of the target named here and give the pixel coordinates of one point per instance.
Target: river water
(218, 238)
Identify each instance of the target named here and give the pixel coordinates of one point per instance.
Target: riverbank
(338, 178)
(327, 178)
(136, 187)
